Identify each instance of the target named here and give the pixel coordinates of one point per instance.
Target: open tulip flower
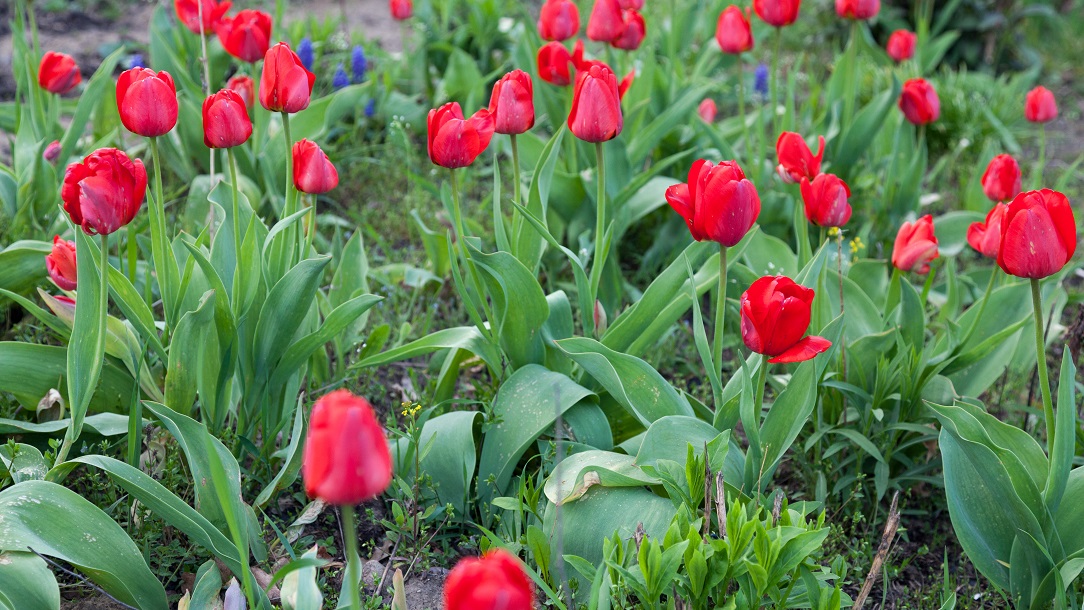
(718, 203)
(919, 102)
(104, 192)
(606, 22)
(1038, 235)
(733, 32)
(314, 173)
(247, 35)
(495, 581)
(1040, 106)
(858, 9)
(1001, 181)
(512, 103)
(455, 141)
(225, 120)
(826, 200)
(777, 13)
(796, 161)
(147, 102)
(916, 246)
(901, 45)
(775, 314)
(596, 105)
(286, 85)
(58, 73)
(188, 13)
(559, 20)
(60, 264)
(985, 237)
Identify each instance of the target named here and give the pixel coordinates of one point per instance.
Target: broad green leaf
(27, 583)
(286, 306)
(22, 462)
(291, 463)
(102, 424)
(526, 242)
(578, 472)
(300, 590)
(1071, 513)
(845, 149)
(135, 310)
(194, 360)
(449, 456)
(207, 592)
(1061, 457)
(22, 265)
(600, 513)
(350, 280)
(31, 370)
(668, 438)
(462, 337)
(518, 304)
(85, 356)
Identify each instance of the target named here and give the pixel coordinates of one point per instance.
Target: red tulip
(919, 102)
(188, 13)
(104, 192)
(1001, 182)
(707, 110)
(314, 173)
(858, 9)
(512, 103)
(225, 120)
(625, 84)
(559, 20)
(631, 4)
(247, 36)
(596, 104)
(795, 159)
(901, 45)
(243, 86)
(1038, 234)
(1040, 106)
(985, 237)
(825, 200)
(606, 22)
(733, 32)
(775, 313)
(147, 102)
(777, 13)
(634, 32)
(58, 73)
(496, 581)
(401, 10)
(286, 85)
(60, 263)
(718, 202)
(455, 141)
(346, 459)
(916, 246)
(52, 152)
(554, 64)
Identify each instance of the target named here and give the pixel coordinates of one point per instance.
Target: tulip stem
(775, 77)
(291, 195)
(1040, 358)
(516, 193)
(1042, 156)
(353, 562)
(236, 225)
(133, 252)
(741, 108)
(762, 381)
(461, 245)
(599, 259)
(160, 242)
(206, 76)
(720, 313)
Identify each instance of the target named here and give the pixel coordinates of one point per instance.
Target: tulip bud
(718, 202)
(147, 102)
(286, 86)
(985, 237)
(733, 32)
(599, 316)
(496, 581)
(777, 13)
(188, 13)
(796, 161)
(244, 87)
(858, 9)
(52, 152)
(825, 200)
(1040, 106)
(632, 35)
(512, 103)
(104, 192)
(775, 313)
(1038, 235)
(919, 102)
(707, 110)
(60, 263)
(247, 36)
(606, 22)
(596, 104)
(559, 20)
(314, 173)
(58, 73)
(346, 459)
(1001, 181)
(916, 246)
(455, 141)
(901, 45)
(225, 120)
(401, 10)
(554, 64)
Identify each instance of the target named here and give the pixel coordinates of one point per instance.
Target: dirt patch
(94, 602)
(371, 18)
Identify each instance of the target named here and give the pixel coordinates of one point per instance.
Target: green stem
(133, 252)
(353, 562)
(720, 313)
(1042, 156)
(775, 77)
(928, 285)
(741, 106)
(599, 260)
(762, 381)
(206, 76)
(1040, 358)
(160, 242)
(852, 78)
(516, 193)
(468, 264)
(236, 223)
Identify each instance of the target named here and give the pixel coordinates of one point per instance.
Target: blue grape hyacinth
(358, 64)
(305, 53)
(370, 108)
(340, 79)
(135, 60)
(760, 80)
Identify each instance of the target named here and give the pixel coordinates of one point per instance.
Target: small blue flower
(358, 64)
(304, 52)
(135, 60)
(340, 79)
(370, 108)
(760, 80)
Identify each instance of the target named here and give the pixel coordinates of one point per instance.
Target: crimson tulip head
(401, 10)
(346, 459)
(60, 263)
(777, 13)
(496, 581)
(733, 32)
(775, 314)
(1001, 182)
(858, 9)
(314, 173)
(247, 35)
(147, 102)
(606, 22)
(707, 110)
(188, 13)
(555, 64)
(633, 34)
(985, 237)
(718, 202)
(243, 86)
(286, 84)
(796, 161)
(919, 102)
(512, 103)
(826, 200)
(1038, 234)
(52, 152)
(225, 120)
(1040, 106)
(455, 141)
(596, 104)
(58, 73)
(901, 45)
(104, 192)
(559, 20)
(916, 246)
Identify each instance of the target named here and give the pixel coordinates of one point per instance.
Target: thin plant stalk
(205, 59)
(291, 192)
(762, 381)
(236, 222)
(741, 106)
(775, 77)
(516, 193)
(160, 241)
(599, 259)
(353, 562)
(1040, 358)
(839, 274)
(460, 240)
(1041, 164)
(720, 313)
(133, 252)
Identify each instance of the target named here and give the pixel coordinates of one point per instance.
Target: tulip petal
(803, 350)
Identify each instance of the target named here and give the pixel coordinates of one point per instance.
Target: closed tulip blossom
(901, 45)
(52, 152)
(147, 102)
(606, 22)
(104, 192)
(796, 161)
(1001, 181)
(559, 20)
(495, 581)
(1040, 106)
(733, 32)
(314, 173)
(225, 120)
(60, 263)
(58, 73)
(777, 13)
(718, 202)
(346, 458)
(826, 200)
(244, 87)
(247, 35)
(707, 110)
(858, 9)
(1038, 235)
(919, 102)
(286, 85)
(401, 10)
(985, 237)
(555, 64)
(455, 141)
(633, 34)
(512, 103)
(916, 246)
(596, 105)
(188, 13)
(775, 315)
